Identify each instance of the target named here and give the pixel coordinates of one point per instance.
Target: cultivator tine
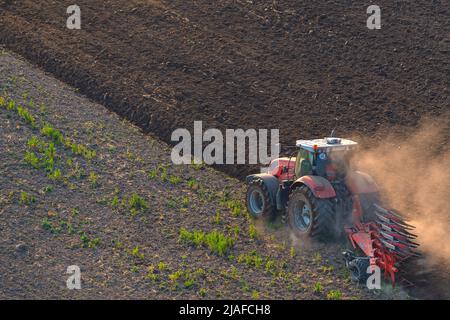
(392, 238)
(399, 238)
(395, 220)
(392, 216)
(386, 212)
(394, 229)
(388, 245)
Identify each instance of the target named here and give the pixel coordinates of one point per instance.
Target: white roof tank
(327, 144)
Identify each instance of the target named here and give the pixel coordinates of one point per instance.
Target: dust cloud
(412, 172)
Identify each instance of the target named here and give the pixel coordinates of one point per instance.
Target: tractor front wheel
(310, 216)
(259, 203)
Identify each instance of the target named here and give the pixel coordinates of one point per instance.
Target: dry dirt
(304, 67)
(34, 257)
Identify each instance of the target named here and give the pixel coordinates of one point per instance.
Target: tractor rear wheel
(358, 269)
(311, 216)
(259, 202)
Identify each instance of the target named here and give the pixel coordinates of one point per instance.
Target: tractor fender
(359, 182)
(319, 186)
(269, 181)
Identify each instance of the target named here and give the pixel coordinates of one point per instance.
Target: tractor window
(303, 163)
(340, 161)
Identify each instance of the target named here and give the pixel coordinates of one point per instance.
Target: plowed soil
(304, 67)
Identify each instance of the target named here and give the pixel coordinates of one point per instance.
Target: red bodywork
(283, 168)
(385, 241)
(320, 187)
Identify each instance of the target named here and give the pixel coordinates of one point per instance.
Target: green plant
(11, 105)
(188, 283)
(31, 159)
(293, 253)
(27, 116)
(200, 272)
(173, 277)
(318, 288)
(334, 295)
(46, 224)
(26, 199)
(52, 133)
(252, 231)
(185, 202)
(134, 269)
(48, 189)
(196, 238)
(94, 243)
(255, 295)
(174, 179)
(49, 157)
(198, 165)
(217, 218)
(137, 203)
(236, 230)
(202, 292)
(235, 206)
(270, 267)
(317, 258)
(35, 143)
(115, 201)
(55, 175)
(136, 253)
(327, 269)
(153, 173)
(218, 242)
(93, 179)
(192, 183)
(151, 275)
(251, 259)
(162, 266)
(84, 240)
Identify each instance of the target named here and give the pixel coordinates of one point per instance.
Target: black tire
(263, 208)
(322, 219)
(358, 270)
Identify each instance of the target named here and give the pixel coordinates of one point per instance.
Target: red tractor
(323, 198)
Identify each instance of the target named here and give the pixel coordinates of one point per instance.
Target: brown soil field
(304, 67)
(50, 222)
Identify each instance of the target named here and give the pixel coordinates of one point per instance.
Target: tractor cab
(327, 157)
